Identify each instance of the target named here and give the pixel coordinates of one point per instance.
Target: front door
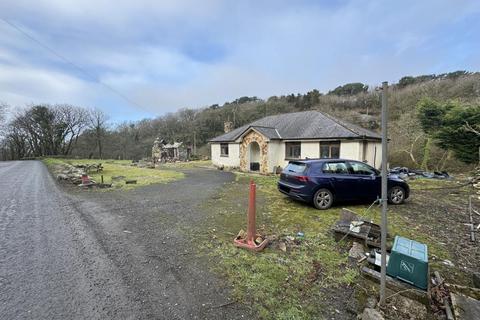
(367, 179)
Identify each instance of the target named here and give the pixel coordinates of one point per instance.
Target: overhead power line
(67, 61)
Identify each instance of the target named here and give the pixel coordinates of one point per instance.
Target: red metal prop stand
(253, 241)
(85, 179)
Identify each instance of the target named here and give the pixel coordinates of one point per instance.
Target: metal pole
(251, 232)
(383, 273)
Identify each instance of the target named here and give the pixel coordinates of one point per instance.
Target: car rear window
(297, 167)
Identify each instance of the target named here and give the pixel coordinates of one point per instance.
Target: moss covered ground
(312, 279)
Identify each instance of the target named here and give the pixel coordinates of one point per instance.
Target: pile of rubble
(70, 173)
(90, 167)
(404, 173)
(77, 174)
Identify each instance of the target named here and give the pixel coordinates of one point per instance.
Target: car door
(367, 179)
(342, 182)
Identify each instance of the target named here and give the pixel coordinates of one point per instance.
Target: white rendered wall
(233, 159)
(310, 149)
(351, 150)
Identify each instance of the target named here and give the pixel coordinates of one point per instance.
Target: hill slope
(134, 140)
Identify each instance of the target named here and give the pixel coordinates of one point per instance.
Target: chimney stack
(227, 126)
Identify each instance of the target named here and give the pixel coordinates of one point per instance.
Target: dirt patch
(440, 214)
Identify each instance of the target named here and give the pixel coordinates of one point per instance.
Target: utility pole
(383, 245)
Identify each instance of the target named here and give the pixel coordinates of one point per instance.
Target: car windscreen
(297, 167)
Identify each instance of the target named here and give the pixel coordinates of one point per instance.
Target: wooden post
(472, 226)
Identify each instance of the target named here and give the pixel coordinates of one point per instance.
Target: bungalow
(271, 142)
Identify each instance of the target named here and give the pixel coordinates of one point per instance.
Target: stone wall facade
(254, 136)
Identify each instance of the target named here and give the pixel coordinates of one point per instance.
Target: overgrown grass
(187, 165)
(424, 183)
(296, 284)
(116, 168)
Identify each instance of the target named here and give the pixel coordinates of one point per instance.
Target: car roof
(321, 160)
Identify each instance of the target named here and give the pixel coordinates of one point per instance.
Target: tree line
(78, 132)
(48, 130)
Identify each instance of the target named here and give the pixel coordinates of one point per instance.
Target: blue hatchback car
(326, 181)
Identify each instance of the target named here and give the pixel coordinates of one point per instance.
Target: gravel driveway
(105, 255)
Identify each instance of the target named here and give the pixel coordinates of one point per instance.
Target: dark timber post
(383, 244)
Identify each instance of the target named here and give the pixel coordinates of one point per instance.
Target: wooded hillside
(411, 143)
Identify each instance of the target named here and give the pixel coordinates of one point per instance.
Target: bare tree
(476, 130)
(98, 124)
(408, 135)
(473, 129)
(42, 130)
(3, 111)
(74, 120)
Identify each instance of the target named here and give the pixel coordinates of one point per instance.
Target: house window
(292, 150)
(330, 149)
(224, 149)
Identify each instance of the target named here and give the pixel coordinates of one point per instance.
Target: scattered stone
(62, 176)
(371, 302)
(408, 308)
(464, 307)
(371, 314)
(448, 263)
(476, 279)
(282, 246)
(241, 234)
(357, 251)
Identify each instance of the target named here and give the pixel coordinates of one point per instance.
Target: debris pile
(70, 173)
(285, 242)
(162, 151)
(77, 174)
(404, 173)
(439, 297)
(356, 228)
(90, 167)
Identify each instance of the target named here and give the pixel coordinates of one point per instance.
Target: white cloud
(26, 84)
(143, 49)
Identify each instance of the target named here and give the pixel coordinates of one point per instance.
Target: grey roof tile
(301, 125)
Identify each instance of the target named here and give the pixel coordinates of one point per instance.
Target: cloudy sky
(165, 55)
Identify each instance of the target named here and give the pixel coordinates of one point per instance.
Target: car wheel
(323, 199)
(396, 195)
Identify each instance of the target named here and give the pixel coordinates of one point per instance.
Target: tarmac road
(105, 255)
